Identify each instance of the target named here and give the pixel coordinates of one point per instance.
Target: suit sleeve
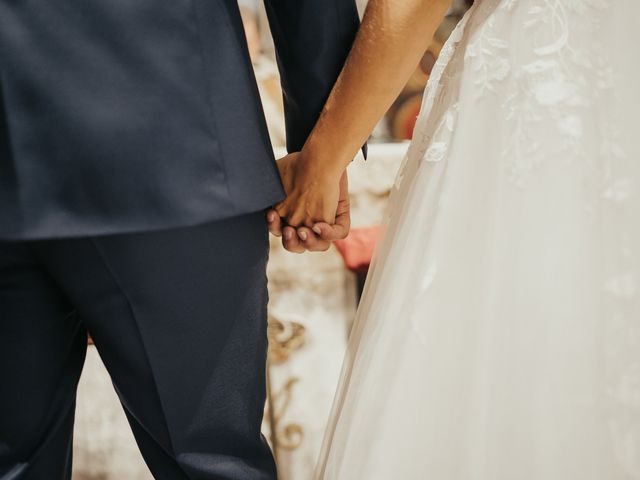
(312, 39)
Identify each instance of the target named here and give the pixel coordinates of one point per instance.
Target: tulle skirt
(499, 333)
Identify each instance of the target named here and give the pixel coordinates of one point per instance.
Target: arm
(312, 39)
(393, 37)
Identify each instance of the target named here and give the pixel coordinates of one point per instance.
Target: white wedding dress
(499, 333)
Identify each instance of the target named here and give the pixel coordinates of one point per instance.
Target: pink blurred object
(357, 249)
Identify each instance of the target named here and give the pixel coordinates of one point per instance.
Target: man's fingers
(291, 241)
(311, 241)
(274, 223)
(330, 233)
(296, 241)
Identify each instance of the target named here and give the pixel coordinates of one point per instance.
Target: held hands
(316, 211)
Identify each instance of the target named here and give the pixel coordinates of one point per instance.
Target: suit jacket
(133, 115)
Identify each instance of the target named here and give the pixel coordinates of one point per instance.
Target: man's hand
(321, 235)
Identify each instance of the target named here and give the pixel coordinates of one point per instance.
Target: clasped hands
(316, 211)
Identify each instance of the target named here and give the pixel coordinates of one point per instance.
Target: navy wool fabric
(135, 166)
(179, 319)
(120, 116)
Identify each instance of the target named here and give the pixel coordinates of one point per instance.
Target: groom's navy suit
(134, 168)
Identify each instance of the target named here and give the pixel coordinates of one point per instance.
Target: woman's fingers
(282, 209)
(301, 239)
(291, 212)
(297, 217)
(329, 215)
(304, 212)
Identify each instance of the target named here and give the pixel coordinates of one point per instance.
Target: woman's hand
(322, 235)
(313, 191)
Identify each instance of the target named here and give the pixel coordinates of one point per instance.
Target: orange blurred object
(357, 249)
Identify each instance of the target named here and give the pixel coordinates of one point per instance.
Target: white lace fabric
(499, 336)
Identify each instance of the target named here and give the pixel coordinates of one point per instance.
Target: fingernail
(288, 234)
(303, 235)
(317, 229)
(271, 217)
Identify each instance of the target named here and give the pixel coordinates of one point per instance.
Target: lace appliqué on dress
(556, 85)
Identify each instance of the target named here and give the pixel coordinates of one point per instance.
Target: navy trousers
(179, 319)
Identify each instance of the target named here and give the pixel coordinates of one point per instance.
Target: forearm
(393, 37)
